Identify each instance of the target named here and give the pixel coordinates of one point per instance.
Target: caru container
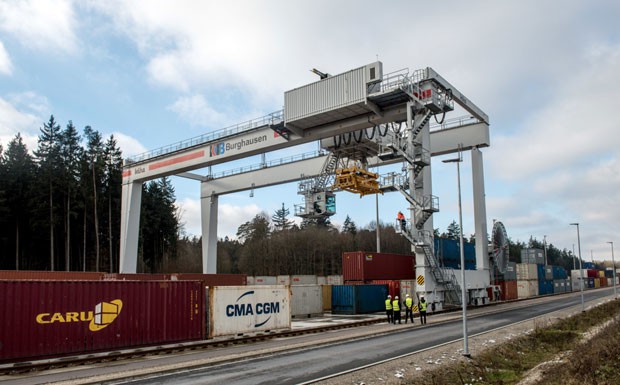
(55, 318)
(366, 266)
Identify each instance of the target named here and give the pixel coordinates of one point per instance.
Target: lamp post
(545, 246)
(464, 288)
(583, 307)
(613, 264)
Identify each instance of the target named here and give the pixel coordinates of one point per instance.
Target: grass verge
(596, 361)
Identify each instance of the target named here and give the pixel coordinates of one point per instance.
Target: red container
(604, 282)
(135, 277)
(592, 273)
(50, 275)
(509, 290)
(366, 266)
(43, 319)
(393, 286)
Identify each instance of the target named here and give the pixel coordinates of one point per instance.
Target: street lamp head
(574, 224)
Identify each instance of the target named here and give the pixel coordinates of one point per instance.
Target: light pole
(574, 267)
(613, 266)
(463, 289)
(583, 307)
(545, 246)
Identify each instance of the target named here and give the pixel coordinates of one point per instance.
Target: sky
(151, 73)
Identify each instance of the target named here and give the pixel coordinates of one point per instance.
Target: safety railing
(270, 119)
(271, 163)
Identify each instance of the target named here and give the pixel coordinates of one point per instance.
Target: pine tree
(48, 156)
(70, 154)
(280, 220)
(453, 231)
(113, 182)
(349, 226)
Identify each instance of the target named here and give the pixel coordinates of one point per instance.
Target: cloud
(129, 145)
(23, 113)
(230, 217)
(6, 67)
(197, 111)
(44, 25)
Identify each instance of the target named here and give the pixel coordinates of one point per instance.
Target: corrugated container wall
(248, 309)
(334, 280)
(526, 289)
(511, 272)
(527, 271)
(536, 256)
(306, 300)
(548, 272)
(50, 275)
(509, 290)
(365, 266)
(327, 297)
(54, 318)
(449, 255)
(358, 299)
(212, 279)
(393, 286)
(339, 95)
(265, 280)
(407, 287)
(283, 279)
(321, 280)
(303, 279)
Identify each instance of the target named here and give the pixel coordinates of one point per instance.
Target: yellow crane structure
(357, 180)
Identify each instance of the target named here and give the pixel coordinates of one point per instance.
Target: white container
(283, 279)
(333, 98)
(306, 300)
(527, 271)
(575, 284)
(303, 279)
(407, 287)
(334, 279)
(321, 280)
(248, 309)
(250, 280)
(527, 288)
(265, 280)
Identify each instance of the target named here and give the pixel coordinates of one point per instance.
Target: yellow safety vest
(408, 302)
(388, 304)
(395, 305)
(423, 306)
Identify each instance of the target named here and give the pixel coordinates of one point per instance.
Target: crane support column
(130, 227)
(480, 211)
(208, 211)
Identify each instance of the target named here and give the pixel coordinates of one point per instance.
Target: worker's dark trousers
(423, 317)
(390, 316)
(408, 315)
(396, 316)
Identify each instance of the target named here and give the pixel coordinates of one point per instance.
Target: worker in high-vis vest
(422, 306)
(396, 310)
(388, 309)
(408, 308)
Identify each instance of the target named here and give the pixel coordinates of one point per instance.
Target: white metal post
(613, 267)
(464, 286)
(583, 307)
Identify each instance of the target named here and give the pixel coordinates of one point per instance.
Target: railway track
(110, 356)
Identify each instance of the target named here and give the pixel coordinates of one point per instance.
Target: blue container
(545, 287)
(590, 283)
(449, 255)
(559, 273)
(541, 272)
(358, 299)
(588, 265)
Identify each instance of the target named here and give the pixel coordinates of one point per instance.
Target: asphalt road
(294, 367)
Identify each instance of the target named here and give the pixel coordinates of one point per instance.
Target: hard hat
(407, 295)
(396, 297)
(389, 296)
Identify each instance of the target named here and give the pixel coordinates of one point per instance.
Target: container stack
(575, 276)
(359, 268)
(527, 280)
(508, 283)
(560, 276)
(535, 256)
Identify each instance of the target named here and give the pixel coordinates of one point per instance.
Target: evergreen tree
(349, 226)
(48, 156)
(453, 231)
(94, 158)
(70, 155)
(113, 187)
(280, 220)
(20, 169)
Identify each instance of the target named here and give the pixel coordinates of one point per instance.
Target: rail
(269, 119)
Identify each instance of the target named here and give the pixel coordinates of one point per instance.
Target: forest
(60, 210)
